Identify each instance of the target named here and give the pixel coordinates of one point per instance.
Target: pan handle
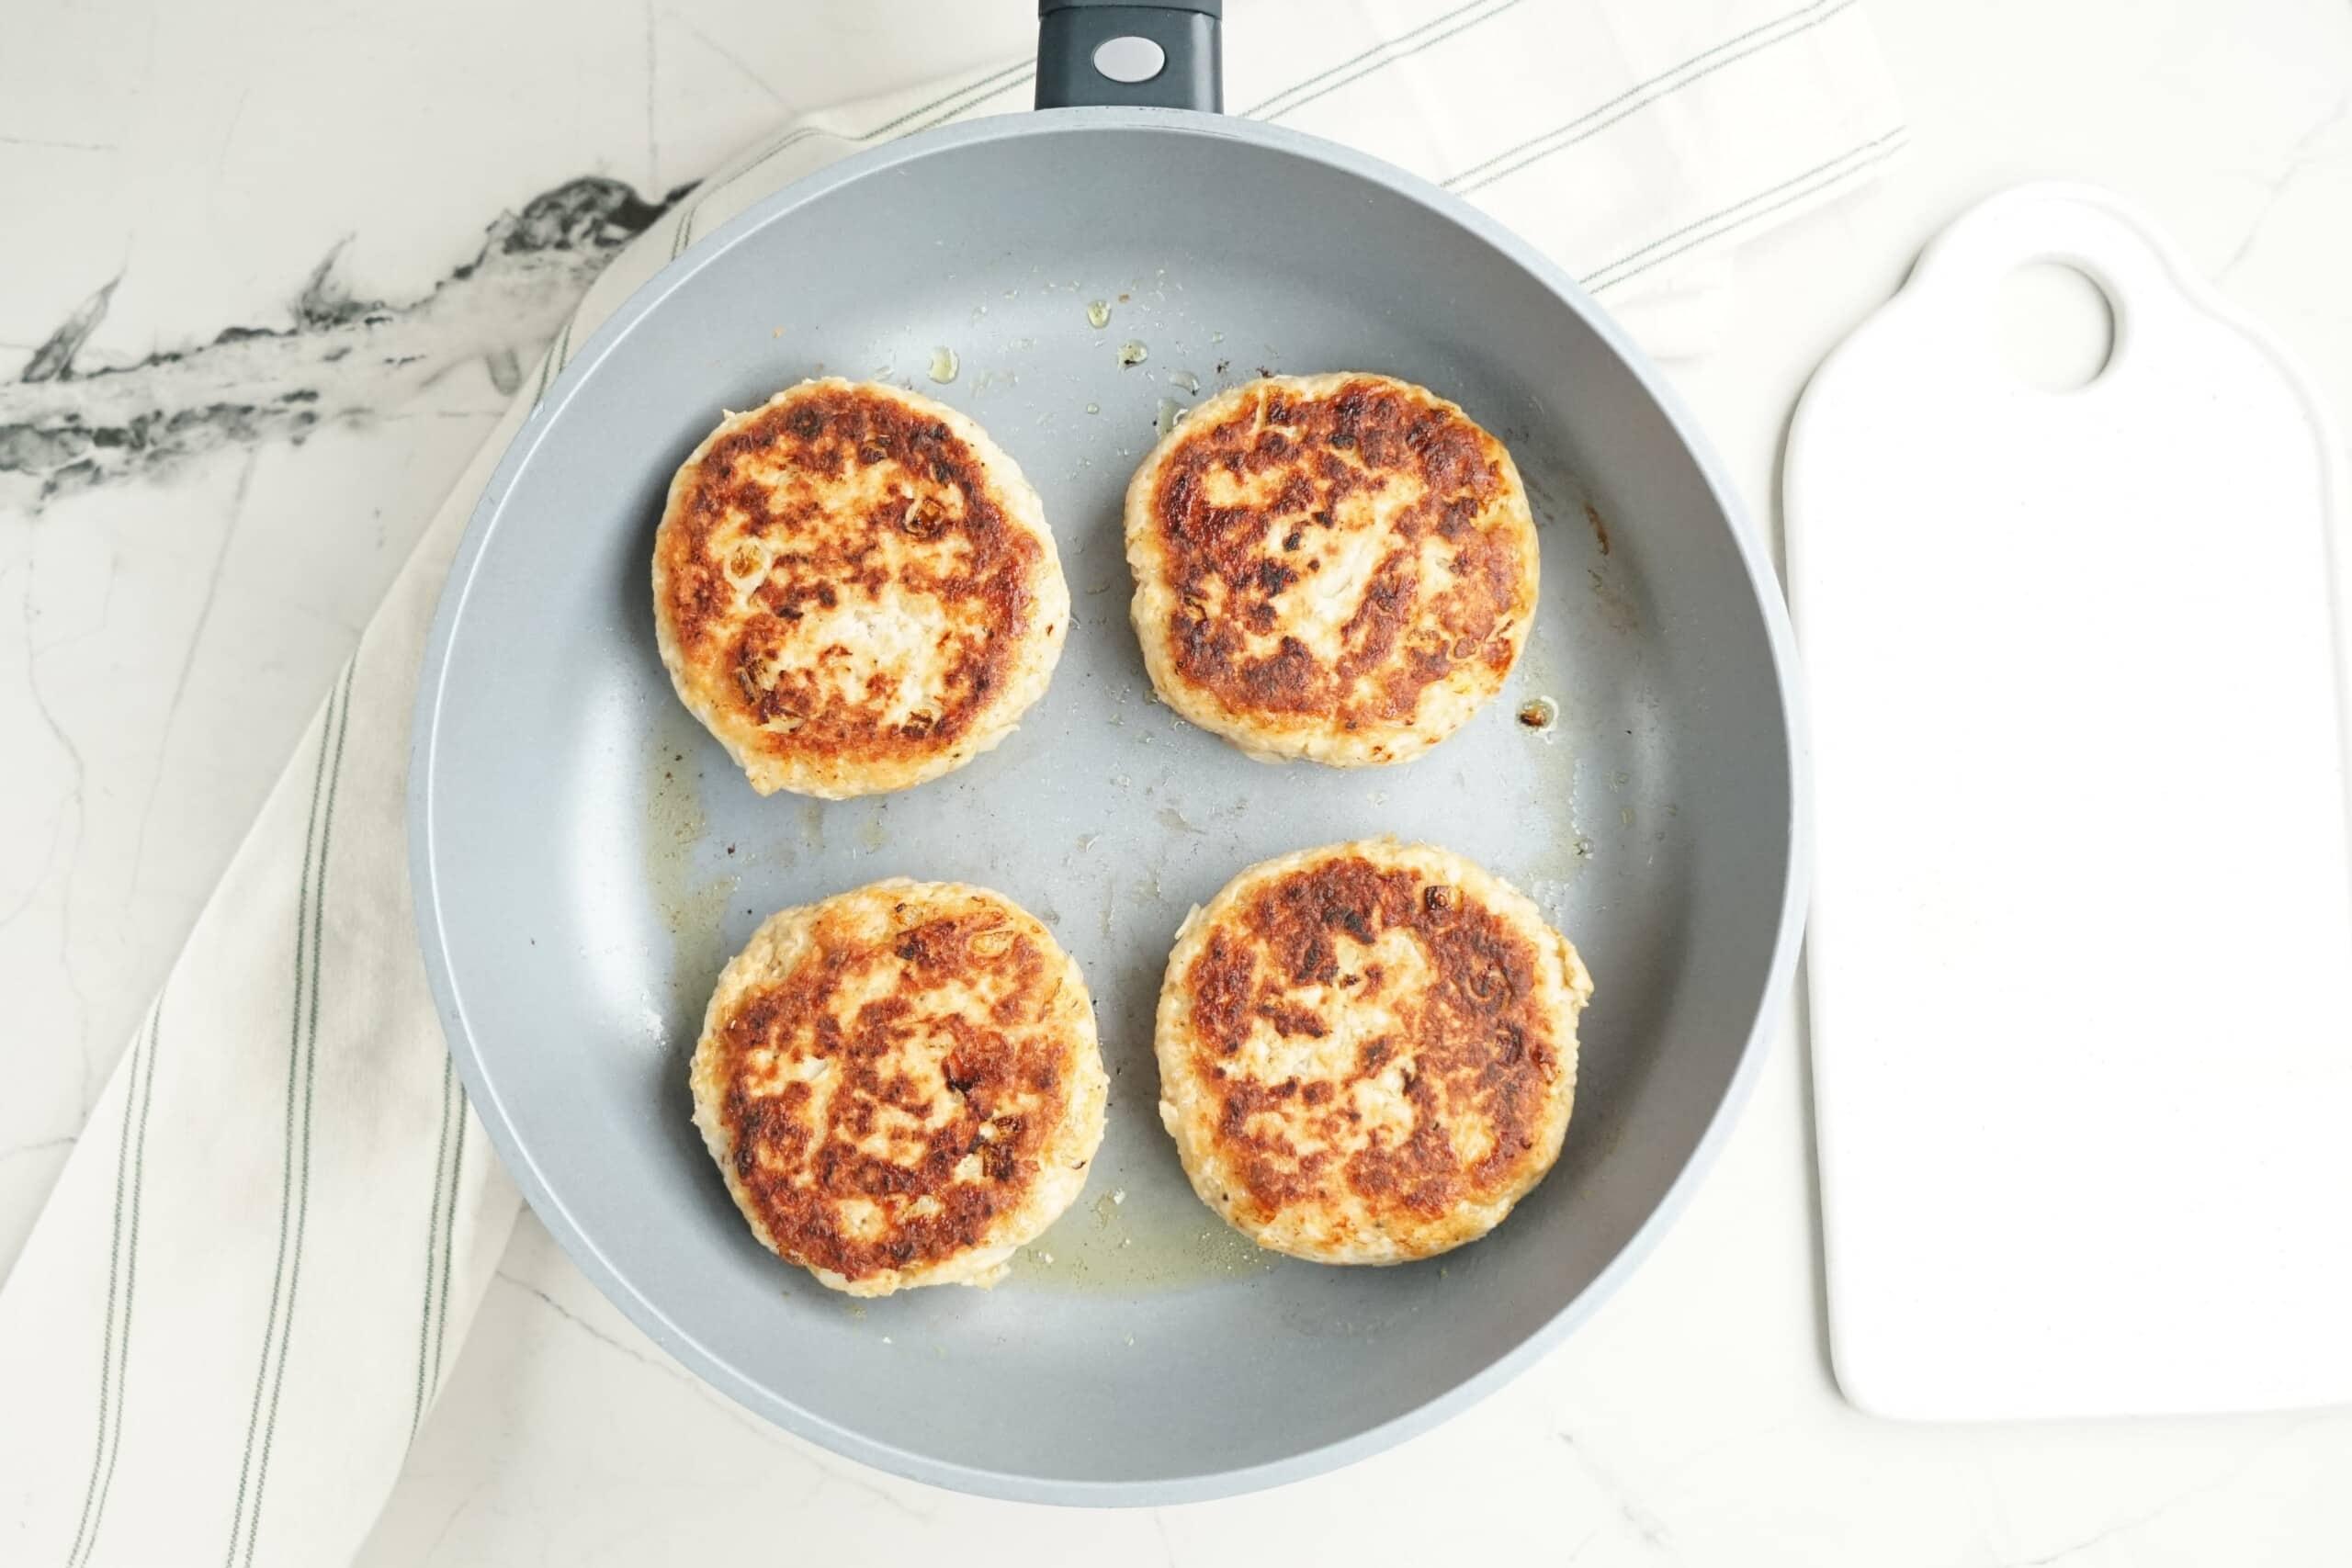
(1101, 53)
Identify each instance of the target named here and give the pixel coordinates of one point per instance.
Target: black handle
(1071, 34)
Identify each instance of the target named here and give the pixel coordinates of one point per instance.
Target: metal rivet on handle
(1130, 59)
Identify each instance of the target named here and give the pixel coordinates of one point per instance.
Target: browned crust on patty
(1248, 499)
(957, 1058)
(1376, 1050)
(800, 477)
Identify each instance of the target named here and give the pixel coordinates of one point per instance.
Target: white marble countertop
(166, 630)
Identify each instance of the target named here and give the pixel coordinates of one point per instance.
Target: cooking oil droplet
(1186, 379)
(1094, 408)
(1132, 353)
(943, 365)
(1166, 420)
(1098, 312)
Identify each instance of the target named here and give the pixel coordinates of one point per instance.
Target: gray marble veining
(339, 357)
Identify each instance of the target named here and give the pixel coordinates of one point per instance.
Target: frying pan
(584, 859)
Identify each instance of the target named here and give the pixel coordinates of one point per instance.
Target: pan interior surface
(589, 859)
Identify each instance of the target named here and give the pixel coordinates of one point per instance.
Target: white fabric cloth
(236, 1311)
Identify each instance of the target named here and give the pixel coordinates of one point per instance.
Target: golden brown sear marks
(843, 576)
(1332, 557)
(1461, 1038)
(892, 1098)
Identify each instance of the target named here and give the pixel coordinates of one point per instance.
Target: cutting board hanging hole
(2056, 326)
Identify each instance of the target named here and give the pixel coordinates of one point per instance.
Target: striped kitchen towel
(257, 1269)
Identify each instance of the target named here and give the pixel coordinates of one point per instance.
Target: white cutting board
(2081, 951)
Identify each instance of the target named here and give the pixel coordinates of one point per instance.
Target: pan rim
(647, 1314)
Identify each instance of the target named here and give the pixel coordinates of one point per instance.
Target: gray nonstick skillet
(584, 858)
